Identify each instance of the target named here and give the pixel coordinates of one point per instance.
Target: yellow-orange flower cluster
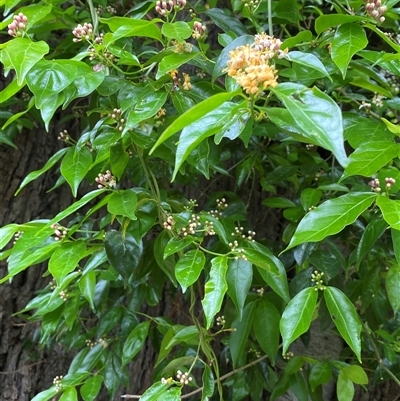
(249, 64)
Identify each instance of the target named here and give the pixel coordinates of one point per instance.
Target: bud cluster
(221, 206)
(187, 85)
(91, 344)
(377, 99)
(221, 320)
(17, 236)
(18, 26)
(182, 47)
(64, 136)
(57, 381)
(169, 223)
(83, 32)
(53, 284)
(239, 251)
(59, 232)
(270, 46)
(316, 278)
(109, 9)
(184, 378)
(198, 30)
(252, 4)
(106, 180)
(239, 233)
(389, 181)
(375, 9)
(288, 355)
(375, 185)
(116, 115)
(166, 381)
(209, 228)
(191, 228)
(166, 7)
(63, 295)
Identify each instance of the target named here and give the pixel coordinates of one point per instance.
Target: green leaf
(345, 317)
(177, 244)
(119, 158)
(22, 54)
(172, 394)
(193, 134)
(344, 388)
(193, 114)
(348, 40)
(6, 233)
(356, 374)
(320, 373)
(49, 78)
(215, 288)
(395, 129)
(189, 267)
(66, 258)
(393, 287)
(208, 383)
(310, 197)
(45, 395)
(10, 90)
(317, 116)
(87, 285)
(239, 278)
(135, 342)
(225, 22)
(154, 392)
(75, 165)
(187, 334)
(37, 173)
(238, 337)
(390, 210)
(69, 394)
(123, 203)
(302, 36)
(277, 202)
(296, 318)
(123, 252)
(367, 159)
(266, 328)
(325, 22)
(223, 58)
(176, 30)
(91, 388)
(395, 241)
(331, 217)
(310, 61)
(272, 270)
(173, 62)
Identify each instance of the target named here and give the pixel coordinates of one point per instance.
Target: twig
(229, 374)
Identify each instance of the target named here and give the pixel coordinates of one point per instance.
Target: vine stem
(223, 377)
(270, 28)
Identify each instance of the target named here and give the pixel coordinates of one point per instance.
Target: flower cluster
(166, 381)
(184, 378)
(182, 47)
(116, 115)
(64, 136)
(198, 30)
(239, 251)
(239, 233)
(209, 228)
(389, 181)
(166, 7)
(186, 85)
(252, 4)
(375, 9)
(288, 355)
(59, 232)
(375, 185)
(81, 32)
(91, 344)
(377, 99)
(17, 27)
(17, 236)
(221, 206)
(191, 228)
(109, 9)
(169, 223)
(57, 381)
(316, 278)
(106, 180)
(63, 295)
(249, 64)
(221, 321)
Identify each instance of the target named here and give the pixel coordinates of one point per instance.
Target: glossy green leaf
(320, 373)
(348, 40)
(193, 134)
(276, 202)
(395, 129)
(119, 158)
(331, 217)
(310, 61)
(396, 244)
(66, 258)
(189, 267)
(179, 30)
(215, 289)
(75, 165)
(223, 57)
(173, 62)
(391, 211)
(37, 173)
(296, 318)
(356, 374)
(239, 278)
(123, 203)
(186, 334)
(69, 394)
(345, 317)
(135, 342)
(22, 54)
(155, 392)
(238, 338)
(10, 90)
(208, 383)
(225, 22)
(177, 244)
(6, 233)
(393, 287)
(266, 328)
(367, 159)
(193, 114)
(310, 197)
(325, 22)
(48, 78)
(344, 388)
(91, 388)
(271, 268)
(46, 394)
(172, 394)
(373, 231)
(302, 36)
(87, 285)
(316, 115)
(123, 252)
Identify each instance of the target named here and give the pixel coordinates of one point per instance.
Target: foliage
(301, 133)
